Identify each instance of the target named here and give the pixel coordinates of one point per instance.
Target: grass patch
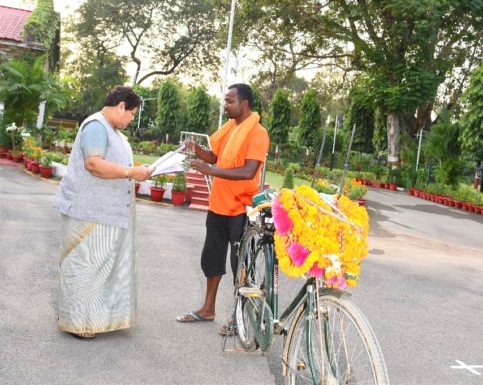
(145, 159)
(276, 180)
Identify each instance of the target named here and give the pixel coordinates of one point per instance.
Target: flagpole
(227, 60)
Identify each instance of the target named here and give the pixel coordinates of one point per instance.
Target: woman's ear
(122, 105)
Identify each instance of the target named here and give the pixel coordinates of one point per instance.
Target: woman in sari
(97, 201)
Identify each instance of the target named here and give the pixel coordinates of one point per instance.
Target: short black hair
(122, 94)
(245, 92)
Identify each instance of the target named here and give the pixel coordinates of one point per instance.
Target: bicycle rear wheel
(251, 273)
(345, 352)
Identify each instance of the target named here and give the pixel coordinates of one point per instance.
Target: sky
(65, 7)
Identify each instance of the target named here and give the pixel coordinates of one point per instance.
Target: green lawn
(273, 179)
(276, 180)
(145, 159)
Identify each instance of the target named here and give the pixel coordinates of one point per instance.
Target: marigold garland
(319, 239)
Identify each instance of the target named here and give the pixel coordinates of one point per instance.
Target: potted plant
(325, 187)
(178, 193)
(356, 193)
(5, 141)
(16, 155)
(157, 189)
(45, 165)
(36, 155)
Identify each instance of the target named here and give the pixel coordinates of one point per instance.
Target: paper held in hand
(170, 162)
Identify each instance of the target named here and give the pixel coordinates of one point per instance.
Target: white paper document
(170, 162)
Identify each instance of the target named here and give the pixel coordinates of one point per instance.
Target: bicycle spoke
(350, 350)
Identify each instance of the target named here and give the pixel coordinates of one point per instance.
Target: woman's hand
(139, 173)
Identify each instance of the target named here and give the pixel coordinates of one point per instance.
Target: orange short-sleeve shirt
(230, 197)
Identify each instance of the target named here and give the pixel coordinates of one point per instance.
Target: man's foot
(229, 329)
(83, 336)
(192, 317)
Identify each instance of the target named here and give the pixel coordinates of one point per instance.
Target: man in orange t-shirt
(235, 161)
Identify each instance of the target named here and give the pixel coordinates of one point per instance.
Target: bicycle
(328, 340)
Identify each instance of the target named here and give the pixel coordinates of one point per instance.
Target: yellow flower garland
(335, 237)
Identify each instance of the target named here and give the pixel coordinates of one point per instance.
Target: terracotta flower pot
(17, 158)
(46, 171)
(177, 197)
(35, 167)
(157, 194)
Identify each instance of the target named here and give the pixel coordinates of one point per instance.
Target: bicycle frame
(305, 301)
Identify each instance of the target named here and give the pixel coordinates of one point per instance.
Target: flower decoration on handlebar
(322, 238)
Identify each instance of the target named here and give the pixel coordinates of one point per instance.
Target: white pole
(140, 112)
(419, 147)
(227, 60)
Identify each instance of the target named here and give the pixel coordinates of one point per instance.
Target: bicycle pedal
(251, 292)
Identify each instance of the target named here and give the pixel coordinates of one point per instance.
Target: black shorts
(221, 230)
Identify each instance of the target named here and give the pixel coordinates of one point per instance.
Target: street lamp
(141, 107)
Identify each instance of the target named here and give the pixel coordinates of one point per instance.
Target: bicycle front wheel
(251, 273)
(343, 349)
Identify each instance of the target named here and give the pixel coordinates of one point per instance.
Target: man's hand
(191, 146)
(201, 166)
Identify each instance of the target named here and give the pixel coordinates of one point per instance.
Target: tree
(309, 123)
(92, 78)
(279, 121)
(146, 115)
(167, 119)
(442, 146)
(405, 49)
(23, 85)
(162, 36)
(257, 102)
(198, 116)
(472, 120)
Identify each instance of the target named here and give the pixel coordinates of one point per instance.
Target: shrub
(159, 180)
(179, 183)
(356, 192)
(288, 178)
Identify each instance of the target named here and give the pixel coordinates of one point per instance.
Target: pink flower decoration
(297, 253)
(283, 224)
(342, 283)
(316, 271)
(331, 281)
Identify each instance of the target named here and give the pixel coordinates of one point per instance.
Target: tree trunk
(393, 124)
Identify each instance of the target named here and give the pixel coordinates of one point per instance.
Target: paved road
(421, 289)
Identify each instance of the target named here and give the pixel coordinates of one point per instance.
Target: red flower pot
(4, 149)
(361, 202)
(136, 188)
(157, 194)
(177, 197)
(3, 154)
(46, 171)
(457, 204)
(35, 167)
(17, 158)
(392, 186)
